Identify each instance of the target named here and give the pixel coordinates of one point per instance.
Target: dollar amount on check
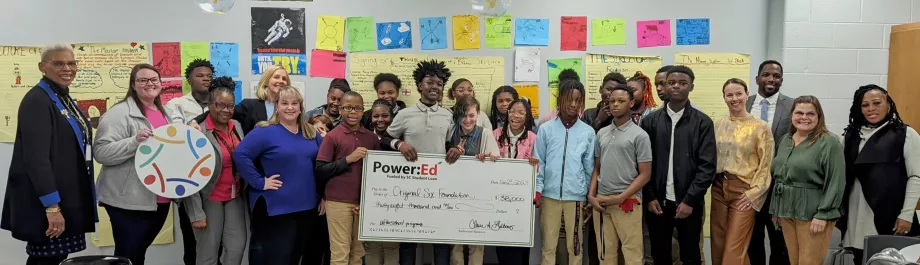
(429, 201)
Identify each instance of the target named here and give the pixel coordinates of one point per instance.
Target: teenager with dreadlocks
(501, 99)
(565, 148)
(567, 74)
(601, 113)
(642, 95)
(883, 171)
(423, 128)
(516, 141)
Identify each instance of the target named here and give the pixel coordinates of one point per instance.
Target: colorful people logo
(173, 166)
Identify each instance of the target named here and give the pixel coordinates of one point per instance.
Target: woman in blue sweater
(283, 198)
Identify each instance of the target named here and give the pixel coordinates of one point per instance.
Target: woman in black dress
(50, 201)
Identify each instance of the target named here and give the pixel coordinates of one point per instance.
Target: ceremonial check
(430, 201)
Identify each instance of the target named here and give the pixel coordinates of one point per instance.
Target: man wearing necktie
(775, 109)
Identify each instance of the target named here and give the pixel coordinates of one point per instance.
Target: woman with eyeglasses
(49, 200)
(136, 214)
(217, 212)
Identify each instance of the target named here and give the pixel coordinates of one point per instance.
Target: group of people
(287, 186)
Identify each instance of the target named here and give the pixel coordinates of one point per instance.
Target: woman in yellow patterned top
(745, 152)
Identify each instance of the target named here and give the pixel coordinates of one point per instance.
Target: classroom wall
(831, 48)
(740, 26)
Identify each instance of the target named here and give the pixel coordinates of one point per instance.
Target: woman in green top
(810, 176)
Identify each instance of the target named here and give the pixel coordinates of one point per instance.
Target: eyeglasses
(58, 65)
(143, 81)
(352, 108)
(220, 106)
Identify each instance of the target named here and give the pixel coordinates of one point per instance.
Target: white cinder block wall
(831, 47)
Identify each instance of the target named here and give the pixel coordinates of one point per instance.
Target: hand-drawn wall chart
(176, 162)
(394, 35)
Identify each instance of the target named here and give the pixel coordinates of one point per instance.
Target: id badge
(88, 153)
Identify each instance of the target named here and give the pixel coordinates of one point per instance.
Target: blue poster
(226, 59)
(531, 31)
(238, 92)
(295, 64)
(394, 35)
(433, 32)
(693, 31)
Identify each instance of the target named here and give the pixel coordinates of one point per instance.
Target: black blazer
(694, 155)
(46, 159)
(249, 112)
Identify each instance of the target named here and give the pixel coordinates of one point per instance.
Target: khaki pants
(731, 228)
(344, 247)
(476, 252)
(614, 226)
(381, 253)
(805, 248)
(554, 213)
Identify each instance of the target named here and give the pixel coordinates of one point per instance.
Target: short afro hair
(615, 77)
(387, 77)
(341, 84)
(567, 74)
(431, 68)
(195, 64)
(683, 70)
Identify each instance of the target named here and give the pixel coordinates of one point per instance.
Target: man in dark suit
(774, 108)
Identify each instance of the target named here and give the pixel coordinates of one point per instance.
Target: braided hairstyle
(504, 139)
(858, 120)
(646, 83)
(494, 114)
(566, 89)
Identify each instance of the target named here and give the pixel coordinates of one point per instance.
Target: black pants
(188, 236)
(55, 260)
(281, 239)
(756, 252)
(513, 255)
(318, 247)
(134, 231)
(662, 226)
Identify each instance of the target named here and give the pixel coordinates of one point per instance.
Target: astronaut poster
(278, 39)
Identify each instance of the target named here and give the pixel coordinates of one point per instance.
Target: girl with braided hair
(642, 94)
(882, 157)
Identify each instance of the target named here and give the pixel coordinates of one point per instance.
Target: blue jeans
(407, 254)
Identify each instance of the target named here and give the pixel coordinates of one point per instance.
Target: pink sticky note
(653, 33)
(171, 89)
(574, 34)
(327, 64)
(166, 59)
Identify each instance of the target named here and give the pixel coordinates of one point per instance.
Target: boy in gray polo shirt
(622, 166)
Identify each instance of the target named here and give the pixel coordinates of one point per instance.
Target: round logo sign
(176, 162)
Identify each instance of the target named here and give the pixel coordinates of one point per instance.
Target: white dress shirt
(669, 190)
(771, 110)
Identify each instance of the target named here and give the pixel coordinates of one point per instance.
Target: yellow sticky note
(466, 32)
(498, 32)
(608, 31)
(712, 70)
(22, 74)
(532, 92)
(599, 65)
(330, 33)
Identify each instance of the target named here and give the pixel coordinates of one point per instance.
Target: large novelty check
(429, 201)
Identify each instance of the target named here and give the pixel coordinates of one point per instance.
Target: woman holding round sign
(217, 212)
(146, 162)
(284, 198)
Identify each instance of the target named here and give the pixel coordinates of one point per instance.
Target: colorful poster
(104, 73)
(608, 31)
(693, 31)
(394, 35)
(527, 64)
(190, 52)
(226, 59)
(486, 72)
(498, 32)
(653, 33)
(327, 64)
(531, 31)
(466, 32)
(554, 67)
(574, 34)
(278, 35)
(360, 34)
(434, 33)
(599, 65)
(532, 93)
(171, 89)
(330, 33)
(711, 70)
(166, 59)
(18, 73)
